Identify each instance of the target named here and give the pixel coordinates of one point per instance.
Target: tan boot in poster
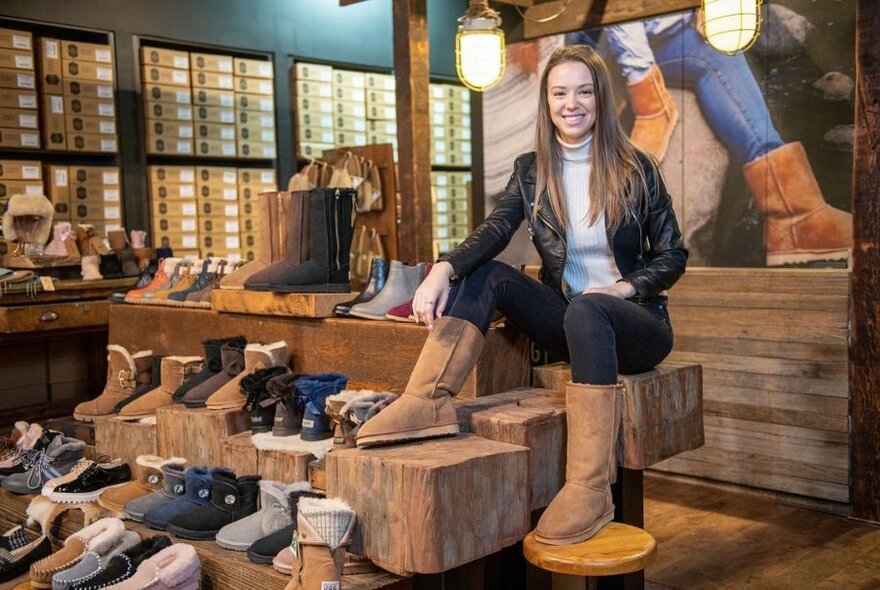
(584, 505)
(656, 114)
(799, 226)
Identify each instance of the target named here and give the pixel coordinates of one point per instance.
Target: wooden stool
(615, 550)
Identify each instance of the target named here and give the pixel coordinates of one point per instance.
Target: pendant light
(479, 47)
(731, 26)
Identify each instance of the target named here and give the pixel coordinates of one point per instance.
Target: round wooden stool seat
(616, 549)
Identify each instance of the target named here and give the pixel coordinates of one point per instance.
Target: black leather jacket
(647, 246)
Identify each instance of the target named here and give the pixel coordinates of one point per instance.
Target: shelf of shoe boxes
(79, 115)
(207, 105)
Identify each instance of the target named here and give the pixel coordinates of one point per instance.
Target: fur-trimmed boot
(799, 226)
(655, 111)
(91, 268)
(584, 505)
(256, 357)
(425, 409)
(35, 207)
(324, 529)
(124, 372)
(175, 371)
(260, 404)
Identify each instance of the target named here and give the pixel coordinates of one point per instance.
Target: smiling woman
(572, 101)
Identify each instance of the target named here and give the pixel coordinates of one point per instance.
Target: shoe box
(315, 150)
(380, 81)
(167, 94)
(16, 40)
(254, 102)
(18, 79)
(158, 128)
(216, 98)
(19, 125)
(76, 124)
(313, 72)
(213, 80)
(19, 118)
(19, 138)
(214, 131)
(254, 86)
(451, 209)
(253, 68)
(86, 194)
(382, 132)
(165, 58)
(210, 62)
(165, 76)
(76, 106)
(20, 176)
(251, 183)
(217, 190)
(257, 150)
(90, 52)
(305, 119)
(215, 148)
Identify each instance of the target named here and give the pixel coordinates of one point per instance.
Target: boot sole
(224, 407)
(400, 437)
(191, 535)
(71, 498)
(90, 417)
(231, 546)
(580, 537)
(261, 559)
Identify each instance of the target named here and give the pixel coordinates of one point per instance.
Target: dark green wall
(319, 30)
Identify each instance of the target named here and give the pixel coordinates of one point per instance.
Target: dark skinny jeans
(600, 335)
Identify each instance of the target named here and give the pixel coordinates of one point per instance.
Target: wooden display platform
(662, 410)
(430, 506)
(240, 455)
(125, 439)
(303, 305)
(197, 434)
(221, 569)
(373, 354)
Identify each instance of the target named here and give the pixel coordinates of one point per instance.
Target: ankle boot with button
(173, 486)
(256, 356)
(199, 481)
(425, 409)
(232, 361)
(231, 500)
(324, 529)
(211, 366)
(125, 371)
(175, 371)
(277, 211)
(401, 287)
(260, 404)
(325, 269)
(288, 412)
(148, 479)
(274, 514)
(584, 504)
(375, 284)
(312, 393)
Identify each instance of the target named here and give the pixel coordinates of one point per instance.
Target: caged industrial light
(732, 26)
(479, 47)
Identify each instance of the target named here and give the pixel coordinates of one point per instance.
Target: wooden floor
(717, 538)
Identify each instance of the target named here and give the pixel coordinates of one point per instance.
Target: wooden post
(413, 130)
(864, 347)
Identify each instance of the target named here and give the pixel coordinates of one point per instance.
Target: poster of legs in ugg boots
(756, 148)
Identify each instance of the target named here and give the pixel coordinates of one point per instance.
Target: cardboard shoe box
(90, 125)
(314, 150)
(217, 193)
(20, 170)
(177, 146)
(208, 97)
(256, 177)
(386, 98)
(166, 76)
(255, 102)
(220, 176)
(380, 81)
(221, 149)
(248, 134)
(214, 115)
(315, 106)
(168, 112)
(14, 39)
(251, 149)
(15, 187)
(171, 174)
(90, 107)
(317, 135)
(58, 185)
(87, 89)
(84, 211)
(157, 128)
(254, 86)
(166, 58)
(17, 60)
(219, 211)
(349, 78)
(107, 176)
(54, 125)
(88, 142)
(175, 191)
(95, 195)
(315, 121)
(19, 138)
(354, 124)
(350, 94)
(212, 80)
(18, 99)
(210, 62)
(214, 131)
(168, 94)
(314, 72)
(216, 243)
(172, 208)
(17, 79)
(75, 50)
(20, 118)
(253, 68)
(257, 120)
(381, 113)
(313, 89)
(84, 70)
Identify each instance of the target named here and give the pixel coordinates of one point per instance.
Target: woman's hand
(431, 296)
(620, 289)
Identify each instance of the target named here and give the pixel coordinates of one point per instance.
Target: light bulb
(479, 52)
(731, 26)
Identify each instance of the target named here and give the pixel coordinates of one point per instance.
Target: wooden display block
(125, 439)
(433, 505)
(302, 305)
(318, 474)
(244, 458)
(377, 355)
(197, 434)
(465, 407)
(537, 421)
(662, 410)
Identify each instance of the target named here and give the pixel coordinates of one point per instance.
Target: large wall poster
(763, 138)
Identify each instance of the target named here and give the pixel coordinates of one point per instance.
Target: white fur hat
(29, 204)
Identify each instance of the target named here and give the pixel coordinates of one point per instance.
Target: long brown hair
(615, 171)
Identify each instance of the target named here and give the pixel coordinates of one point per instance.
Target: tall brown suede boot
(656, 114)
(584, 505)
(274, 222)
(425, 409)
(125, 371)
(799, 226)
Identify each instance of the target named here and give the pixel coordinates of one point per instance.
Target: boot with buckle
(125, 371)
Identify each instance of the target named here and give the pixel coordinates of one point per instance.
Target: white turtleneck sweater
(589, 262)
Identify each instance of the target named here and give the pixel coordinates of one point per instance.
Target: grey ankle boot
(401, 286)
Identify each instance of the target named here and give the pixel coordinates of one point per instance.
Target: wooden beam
(864, 349)
(411, 66)
(580, 14)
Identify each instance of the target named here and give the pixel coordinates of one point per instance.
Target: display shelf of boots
(242, 456)
(662, 410)
(303, 305)
(198, 434)
(360, 349)
(433, 505)
(125, 439)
